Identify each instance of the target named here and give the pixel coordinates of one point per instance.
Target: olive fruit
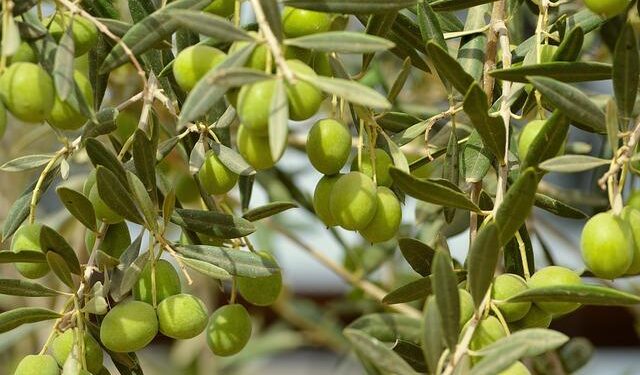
(63, 115)
(353, 201)
(555, 276)
(254, 106)
(126, 123)
(631, 217)
(505, 286)
(607, 8)
(62, 346)
(535, 318)
(301, 22)
(328, 146)
(321, 199)
(258, 58)
(607, 245)
(3, 119)
(255, 149)
(488, 331)
(27, 237)
(193, 63)
(25, 53)
(84, 32)
(387, 219)
(517, 368)
(528, 134)
(229, 330)
(383, 163)
(37, 365)
(634, 200)
(304, 98)
(297, 53)
(261, 291)
(321, 65)
(116, 240)
(103, 212)
(128, 327)
(466, 306)
(182, 316)
(216, 178)
(167, 282)
(27, 91)
(223, 8)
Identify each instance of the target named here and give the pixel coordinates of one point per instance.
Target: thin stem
(523, 256)
(37, 191)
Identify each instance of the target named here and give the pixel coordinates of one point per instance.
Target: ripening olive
(321, 198)
(182, 316)
(607, 8)
(63, 344)
(115, 241)
(25, 53)
(216, 178)
(37, 365)
(383, 163)
(488, 331)
(27, 237)
(229, 330)
(607, 245)
(535, 318)
(255, 149)
(631, 217)
(387, 219)
(301, 22)
(505, 286)
(128, 327)
(103, 212)
(167, 282)
(27, 91)
(261, 291)
(528, 134)
(84, 32)
(254, 106)
(328, 146)
(304, 98)
(193, 63)
(63, 115)
(555, 276)
(517, 368)
(223, 8)
(466, 306)
(353, 201)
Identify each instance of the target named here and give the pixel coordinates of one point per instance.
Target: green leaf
(449, 68)
(448, 5)
(60, 268)
(232, 160)
(206, 269)
(564, 71)
(585, 294)
(23, 315)
(558, 208)
(388, 327)
(79, 206)
(432, 343)
(516, 206)
(350, 91)
(432, 191)
(418, 254)
(278, 120)
(476, 161)
(482, 261)
(571, 45)
(430, 26)
(213, 223)
(106, 123)
(341, 42)
(471, 55)
(63, 64)
(394, 91)
(268, 210)
(144, 159)
(491, 129)
(445, 288)
(572, 102)
(573, 163)
(129, 276)
(101, 156)
(352, 6)
(239, 76)
(210, 25)
(384, 358)
(25, 163)
(613, 126)
(26, 289)
(22, 256)
(143, 201)
(235, 262)
(535, 340)
(626, 64)
(116, 196)
(52, 241)
(496, 363)
(412, 291)
(549, 140)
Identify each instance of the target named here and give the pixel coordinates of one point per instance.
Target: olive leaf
(79, 206)
(23, 315)
(26, 288)
(237, 263)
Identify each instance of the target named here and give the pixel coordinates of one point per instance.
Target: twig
(622, 156)
(505, 110)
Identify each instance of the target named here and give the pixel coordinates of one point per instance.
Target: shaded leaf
(626, 64)
(210, 25)
(548, 142)
(60, 268)
(22, 256)
(564, 71)
(52, 241)
(235, 262)
(22, 315)
(383, 357)
(388, 327)
(585, 294)
(268, 210)
(412, 291)
(213, 223)
(449, 68)
(482, 261)
(116, 196)
(558, 208)
(418, 254)
(79, 206)
(516, 206)
(491, 129)
(445, 288)
(341, 42)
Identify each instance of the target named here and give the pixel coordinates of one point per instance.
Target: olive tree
(165, 116)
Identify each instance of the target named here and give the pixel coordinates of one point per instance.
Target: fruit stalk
(622, 156)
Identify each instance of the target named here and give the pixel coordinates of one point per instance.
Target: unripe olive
(128, 327)
(115, 241)
(255, 149)
(63, 344)
(186, 189)
(63, 115)
(528, 134)
(321, 65)
(104, 371)
(304, 98)
(193, 63)
(261, 291)
(328, 146)
(546, 52)
(215, 177)
(258, 58)
(25, 53)
(535, 318)
(321, 199)
(387, 219)
(254, 106)
(127, 123)
(607, 8)
(634, 200)
(84, 32)
(223, 8)
(167, 283)
(103, 212)
(607, 245)
(383, 163)
(517, 368)
(3, 119)
(301, 22)
(37, 365)
(182, 316)
(488, 331)
(466, 306)
(297, 53)
(353, 201)
(555, 276)
(505, 286)
(27, 91)
(27, 237)
(229, 330)
(631, 217)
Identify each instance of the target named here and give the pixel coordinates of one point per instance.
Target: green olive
(353, 201)
(115, 241)
(25, 53)
(328, 146)
(186, 189)
(27, 91)
(607, 8)
(127, 123)
(229, 330)
(223, 8)
(607, 246)
(258, 58)
(466, 306)
(321, 198)
(535, 318)
(527, 136)
(63, 115)
(555, 276)
(504, 287)
(304, 98)
(182, 316)
(216, 177)
(254, 106)
(488, 331)
(301, 22)
(517, 368)
(27, 237)
(103, 212)
(167, 283)
(37, 365)
(631, 217)
(261, 291)
(255, 149)
(321, 65)
(63, 344)
(297, 53)
(195, 62)
(386, 221)
(128, 327)
(84, 32)
(383, 164)
(3, 119)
